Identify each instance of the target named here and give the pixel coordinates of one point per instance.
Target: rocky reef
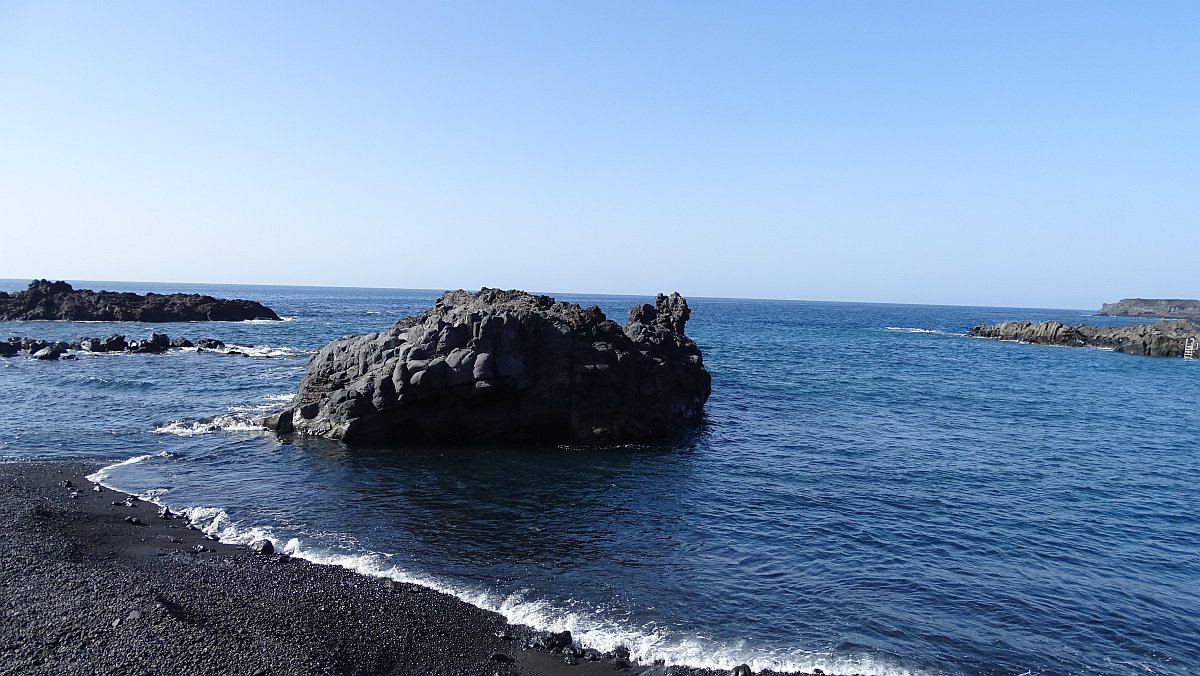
(155, 343)
(1163, 339)
(59, 300)
(506, 366)
(1155, 308)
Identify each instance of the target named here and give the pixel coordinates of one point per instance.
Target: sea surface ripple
(871, 491)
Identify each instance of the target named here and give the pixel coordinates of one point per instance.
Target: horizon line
(551, 293)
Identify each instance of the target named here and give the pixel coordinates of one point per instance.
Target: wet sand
(84, 588)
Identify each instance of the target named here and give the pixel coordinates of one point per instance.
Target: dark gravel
(84, 589)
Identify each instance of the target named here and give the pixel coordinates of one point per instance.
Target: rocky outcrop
(58, 300)
(1154, 308)
(155, 343)
(506, 366)
(1163, 339)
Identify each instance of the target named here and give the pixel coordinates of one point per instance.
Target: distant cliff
(58, 300)
(1156, 308)
(1164, 339)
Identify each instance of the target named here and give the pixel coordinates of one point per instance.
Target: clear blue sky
(1005, 153)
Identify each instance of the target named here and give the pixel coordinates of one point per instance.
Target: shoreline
(93, 582)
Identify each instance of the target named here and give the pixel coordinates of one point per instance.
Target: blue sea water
(871, 491)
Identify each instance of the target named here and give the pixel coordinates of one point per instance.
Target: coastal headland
(96, 581)
(1166, 338)
(1153, 308)
(59, 300)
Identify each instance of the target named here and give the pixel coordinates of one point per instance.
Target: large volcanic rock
(58, 300)
(1163, 339)
(506, 365)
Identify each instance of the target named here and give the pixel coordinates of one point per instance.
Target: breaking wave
(589, 627)
(232, 422)
(910, 329)
(102, 474)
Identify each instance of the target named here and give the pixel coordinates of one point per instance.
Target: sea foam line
(233, 422)
(911, 329)
(590, 629)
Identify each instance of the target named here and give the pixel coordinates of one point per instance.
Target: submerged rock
(59, 300)
(1163, 339)
(506, 365)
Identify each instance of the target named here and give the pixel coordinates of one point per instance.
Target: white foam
(222, 423)
(590, 629)
(910, 329)
(263, 351)
(285, 397)
(103, 473)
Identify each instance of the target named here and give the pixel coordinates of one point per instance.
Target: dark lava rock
(91, 345)
(8, 349)
(210, 344)
(181, 342)
(1163, 339)
(741, 670)
(48, 353)
(561, 640)
(157, 343)
(507, 365)
(621, 664)
(58, 300)
(501, 657)
(114, 343)
(262, 547)
(621, 652)
(134, 520)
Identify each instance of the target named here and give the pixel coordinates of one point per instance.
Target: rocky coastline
(1166, 338)
(96, 581)
(507, 365)
(155, 343)
(46, 300)
(1153, 308)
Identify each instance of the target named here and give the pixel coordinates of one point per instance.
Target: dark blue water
(863, 496)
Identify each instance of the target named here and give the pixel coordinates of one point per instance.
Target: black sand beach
(84, 590)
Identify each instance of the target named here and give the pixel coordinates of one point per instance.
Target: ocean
(871, 491)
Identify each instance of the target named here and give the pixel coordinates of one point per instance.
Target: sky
(1035, 154)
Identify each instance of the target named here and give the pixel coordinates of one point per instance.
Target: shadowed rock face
(1164, 308)
(506, 366)
(1164, 339)
(58, 300)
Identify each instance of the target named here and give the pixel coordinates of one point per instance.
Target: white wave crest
(100, 475)
(263, 351)
(222, 423)
(590, 629)
(285, 397)
(910, 329)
